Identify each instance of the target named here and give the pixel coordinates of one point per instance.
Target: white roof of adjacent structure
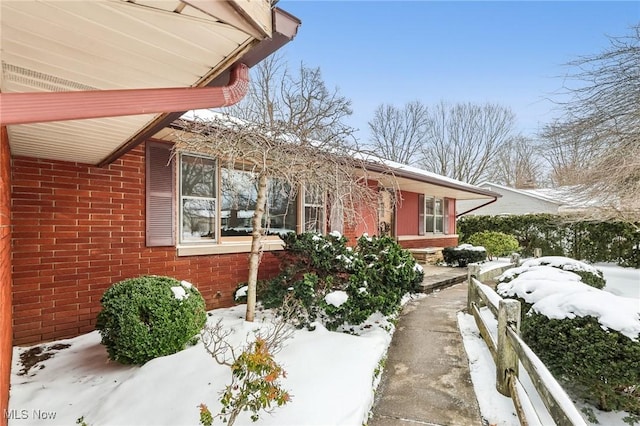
(565, 196)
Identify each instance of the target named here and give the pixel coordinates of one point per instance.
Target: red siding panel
(407, 213)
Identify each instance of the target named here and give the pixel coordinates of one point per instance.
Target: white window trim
(231, 244)
(432, 200)
(180, 237)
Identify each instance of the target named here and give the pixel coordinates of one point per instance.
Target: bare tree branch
(517, 164)
(600, 128)
(463, 139)
(289, 132)
(398, 134)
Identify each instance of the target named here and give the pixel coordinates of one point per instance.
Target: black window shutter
(160, 198)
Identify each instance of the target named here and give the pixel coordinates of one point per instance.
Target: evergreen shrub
(598, 365)
(374, 274)
(616, 242)
(463, 255)
(497, 244)
(592, 362)
(149, 316)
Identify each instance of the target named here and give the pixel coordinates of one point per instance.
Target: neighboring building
(83, 85)
(513, 201)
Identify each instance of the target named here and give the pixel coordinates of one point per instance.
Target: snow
(337, 298)
(241, 292)
(179, 293)
(186, 284)
(621, 281)
(469, 247)
(80, 381)
(565, 263)
(497, 409)
(556, 294)
(335, 234)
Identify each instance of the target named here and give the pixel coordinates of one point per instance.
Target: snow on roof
(566, 196)
(417, 173)
(423, 173)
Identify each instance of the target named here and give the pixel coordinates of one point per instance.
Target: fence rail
(509, 352)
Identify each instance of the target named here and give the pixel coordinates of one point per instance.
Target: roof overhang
(410, 179)
(54, 46)
(388, 174)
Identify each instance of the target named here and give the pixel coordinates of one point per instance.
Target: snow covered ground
(331, 377)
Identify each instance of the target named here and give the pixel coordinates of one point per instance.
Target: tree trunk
(256, 249)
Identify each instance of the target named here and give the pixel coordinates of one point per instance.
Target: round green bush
(150, 316)
(463, 255)
(496, 243)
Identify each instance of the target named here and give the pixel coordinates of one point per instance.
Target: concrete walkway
(426, 380)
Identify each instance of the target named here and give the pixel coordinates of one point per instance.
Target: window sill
(227, 247)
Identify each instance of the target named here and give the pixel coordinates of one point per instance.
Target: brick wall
(5, 273)
(77, 229)
(444, 241)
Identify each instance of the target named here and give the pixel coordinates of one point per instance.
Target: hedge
(615, 242)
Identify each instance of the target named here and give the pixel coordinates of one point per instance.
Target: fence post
(473, 270)
(506, 356)
(537, 252)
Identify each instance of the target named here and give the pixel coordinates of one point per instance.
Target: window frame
(180, 201)
(232, 244)
(432, 217)
(302, 210)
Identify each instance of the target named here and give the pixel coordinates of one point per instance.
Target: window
(239, 197)
(206, 206)
(434, 215)
(313, 209)
(198, 196)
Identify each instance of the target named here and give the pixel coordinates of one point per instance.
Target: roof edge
(285, 28)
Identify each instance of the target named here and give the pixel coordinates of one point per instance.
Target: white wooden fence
(509, 352)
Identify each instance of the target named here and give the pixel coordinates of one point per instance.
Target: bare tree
(462, 140)
(398, 134)
(288, 134)
(568, 156)
(518, 163)
(601, 119)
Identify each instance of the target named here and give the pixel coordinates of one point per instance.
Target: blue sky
(512, 53)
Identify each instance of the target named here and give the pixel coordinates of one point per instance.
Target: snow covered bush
(149, 316)
(374, 275)
(496, 244)
(588, 274)
(588, 338)
(463, 255)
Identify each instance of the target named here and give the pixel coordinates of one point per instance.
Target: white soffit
(64, 45)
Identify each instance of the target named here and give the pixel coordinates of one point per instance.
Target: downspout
(478, 207)
(39, 107)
